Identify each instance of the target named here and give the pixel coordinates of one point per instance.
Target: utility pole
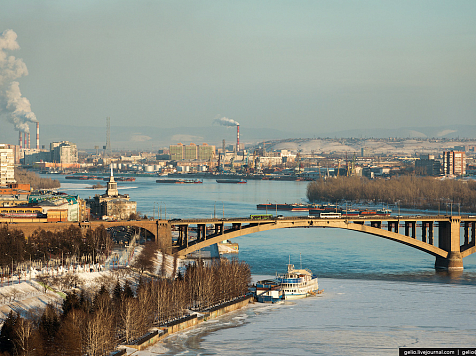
(107, 148)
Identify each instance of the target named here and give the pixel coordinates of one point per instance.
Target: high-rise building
(206, 152)
(176, 152)
(191, 152)
(454, 163)
(64, 152)
(7, 169)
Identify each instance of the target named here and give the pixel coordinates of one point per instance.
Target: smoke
(224, 121)
(13, 105)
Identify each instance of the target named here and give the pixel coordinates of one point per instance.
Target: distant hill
(153, 138)
(449, 131)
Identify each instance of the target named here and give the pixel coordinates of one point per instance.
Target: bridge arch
(449, 254)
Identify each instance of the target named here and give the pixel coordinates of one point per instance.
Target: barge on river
(232, 181)
(179, 181)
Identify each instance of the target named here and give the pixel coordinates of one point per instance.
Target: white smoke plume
(13, 106)
(224, 121)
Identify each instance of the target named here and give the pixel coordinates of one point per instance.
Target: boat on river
(233, 181)
(298, 283)
(121, 179)
(294, 284)
(179, 181)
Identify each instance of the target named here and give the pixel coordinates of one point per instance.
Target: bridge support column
(423, 230)
(449, 240)
(408, 225)
(219, 229)
(201, 232)
(183, 236)
(389, 225)
(466, 232)
(430, 233)
(473, 234)
(393, 226)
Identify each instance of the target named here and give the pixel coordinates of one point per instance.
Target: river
(379, 295)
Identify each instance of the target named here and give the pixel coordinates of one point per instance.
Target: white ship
(298, 283)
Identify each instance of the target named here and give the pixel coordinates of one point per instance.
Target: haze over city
(298, 68)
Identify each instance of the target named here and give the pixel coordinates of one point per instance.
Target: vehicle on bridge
(261, 216)
(330, 215)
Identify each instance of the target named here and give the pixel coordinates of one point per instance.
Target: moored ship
(179, 181)
(83, 177)
(121, 179)
(294, 284)
(298, 283)
(233, 181)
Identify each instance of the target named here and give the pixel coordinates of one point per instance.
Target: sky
(295, 66)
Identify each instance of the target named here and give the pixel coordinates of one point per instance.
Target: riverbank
(159, 333)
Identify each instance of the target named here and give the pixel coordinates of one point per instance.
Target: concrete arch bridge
(440, 236)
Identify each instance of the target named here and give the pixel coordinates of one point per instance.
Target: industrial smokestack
(13, 105)
(238, 138)
(28, 140)
(37, 135)
(20, 140)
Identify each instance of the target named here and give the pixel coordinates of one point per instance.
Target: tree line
(406, 191)
(69, 244)
(94, 325)
(35, 181)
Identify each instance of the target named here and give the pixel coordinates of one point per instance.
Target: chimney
(28, 140)
(237, 138)
(20, 140)
(37, 135)
(24, 140)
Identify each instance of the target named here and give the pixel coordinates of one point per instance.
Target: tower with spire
(111, 190)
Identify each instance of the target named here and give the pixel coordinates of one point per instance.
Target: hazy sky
(292, 65)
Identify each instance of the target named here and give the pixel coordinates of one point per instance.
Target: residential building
(7, 169)
(191, 152)
(64, 152)
(454, 163)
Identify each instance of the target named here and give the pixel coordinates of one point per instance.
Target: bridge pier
(469, 239)
(201, 232)
(412, 225)
(473, 234)
(183, 236)
(449, 240)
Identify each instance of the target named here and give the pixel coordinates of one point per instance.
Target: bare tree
(23, 331)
